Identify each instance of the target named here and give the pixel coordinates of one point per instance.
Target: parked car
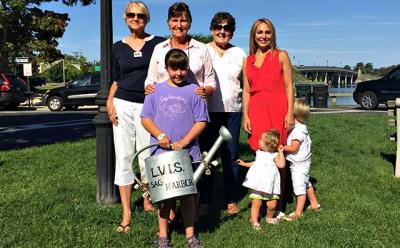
(370, 94)
(13, 90)
(78, 92)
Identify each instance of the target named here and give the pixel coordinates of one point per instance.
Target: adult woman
(225, 105)
(200, 65)
(131, 57)
(268, 98)
(267, 85)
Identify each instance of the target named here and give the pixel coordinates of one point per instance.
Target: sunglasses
(133, 15)
(219, 27)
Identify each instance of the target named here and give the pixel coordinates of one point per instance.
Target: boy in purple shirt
(175, 116)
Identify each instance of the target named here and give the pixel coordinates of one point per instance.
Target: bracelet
(161, 136)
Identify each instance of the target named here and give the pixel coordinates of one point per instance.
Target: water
(343, 100)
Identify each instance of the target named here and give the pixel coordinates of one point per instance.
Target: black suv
(13, 90)
(78, 92)
(370, 94)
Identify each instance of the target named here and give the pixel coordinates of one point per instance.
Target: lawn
(48, 197)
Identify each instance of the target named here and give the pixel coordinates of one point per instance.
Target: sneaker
(292, 217)
(194, 242)
(279, 215)
(163, 242)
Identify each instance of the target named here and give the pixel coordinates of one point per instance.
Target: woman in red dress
(267, 85)
(268, 98)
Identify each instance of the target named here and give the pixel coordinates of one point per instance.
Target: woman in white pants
(131, 57)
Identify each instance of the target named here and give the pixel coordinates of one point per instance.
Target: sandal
(272, 221)
(256, 226)
(232, 209)
(292, 217)
(317, 209)
(123, 228)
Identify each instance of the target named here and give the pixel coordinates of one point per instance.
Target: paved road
(25, 128)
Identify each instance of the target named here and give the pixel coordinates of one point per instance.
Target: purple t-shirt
(175, 110)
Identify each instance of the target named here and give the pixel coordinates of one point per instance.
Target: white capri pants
(129, 137)
(300, 177)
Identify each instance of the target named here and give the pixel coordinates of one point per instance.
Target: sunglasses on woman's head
(133, 15)
(226, 27)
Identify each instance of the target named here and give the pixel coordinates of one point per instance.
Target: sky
(313, 32)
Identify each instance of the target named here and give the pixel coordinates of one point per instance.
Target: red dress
(268, 104)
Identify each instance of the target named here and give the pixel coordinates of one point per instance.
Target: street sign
(97, 68)
(28, 70)
(21, 60)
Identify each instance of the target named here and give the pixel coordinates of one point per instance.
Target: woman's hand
(112, 114)
(164, 142)
(289, 121)
(149, 89)
(246, 125)
(201, 91)
(280, 149)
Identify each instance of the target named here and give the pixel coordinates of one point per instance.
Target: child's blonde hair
(301, 110)
(269, 140)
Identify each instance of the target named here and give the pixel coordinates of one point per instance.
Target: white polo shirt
(228, 67)
(201, 69)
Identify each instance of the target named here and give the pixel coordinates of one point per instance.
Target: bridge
(333, 76)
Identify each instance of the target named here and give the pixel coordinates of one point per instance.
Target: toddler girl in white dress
(263, 177)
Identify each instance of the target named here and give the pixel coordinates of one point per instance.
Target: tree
(359, 65)
(26, 30)
(368, 67)
(347, 67)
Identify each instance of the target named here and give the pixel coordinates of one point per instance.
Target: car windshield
(14, 80)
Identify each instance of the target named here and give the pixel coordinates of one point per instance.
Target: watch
(161, 136)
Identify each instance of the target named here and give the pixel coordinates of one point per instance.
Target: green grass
(48, 197)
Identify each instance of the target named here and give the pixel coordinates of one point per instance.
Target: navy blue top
(130, 69)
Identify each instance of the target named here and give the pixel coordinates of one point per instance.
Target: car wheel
(369, 100)
(55, 103)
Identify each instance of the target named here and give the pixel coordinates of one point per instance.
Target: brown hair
(252, 43)
(176, 59)
(178, 9)
(269, 140)
(301, 110)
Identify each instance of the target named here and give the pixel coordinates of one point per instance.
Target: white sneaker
(279, 215)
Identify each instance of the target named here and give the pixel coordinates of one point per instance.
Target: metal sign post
(27, 74)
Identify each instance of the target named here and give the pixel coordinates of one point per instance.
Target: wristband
(161, 136)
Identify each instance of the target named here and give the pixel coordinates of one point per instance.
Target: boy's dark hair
(178, 9)
(176, 59)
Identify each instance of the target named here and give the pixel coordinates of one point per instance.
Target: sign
(28, 70)
(97, 68)
(21, 60)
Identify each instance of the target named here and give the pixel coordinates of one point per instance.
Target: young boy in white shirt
(298, 152)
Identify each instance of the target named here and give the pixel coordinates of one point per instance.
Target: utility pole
(107, 192)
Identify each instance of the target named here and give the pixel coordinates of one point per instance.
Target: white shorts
(129, 137)
(300, 177)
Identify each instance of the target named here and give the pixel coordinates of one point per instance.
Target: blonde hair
(269, 140)
(253, 44)
(141, 5)
(301, 110)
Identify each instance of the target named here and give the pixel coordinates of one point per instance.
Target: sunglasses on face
(226, 27)
(133, 15)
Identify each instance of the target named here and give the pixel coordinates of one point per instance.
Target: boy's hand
(164, 142)
(201, 91)
(149, 89)
(178, 145)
